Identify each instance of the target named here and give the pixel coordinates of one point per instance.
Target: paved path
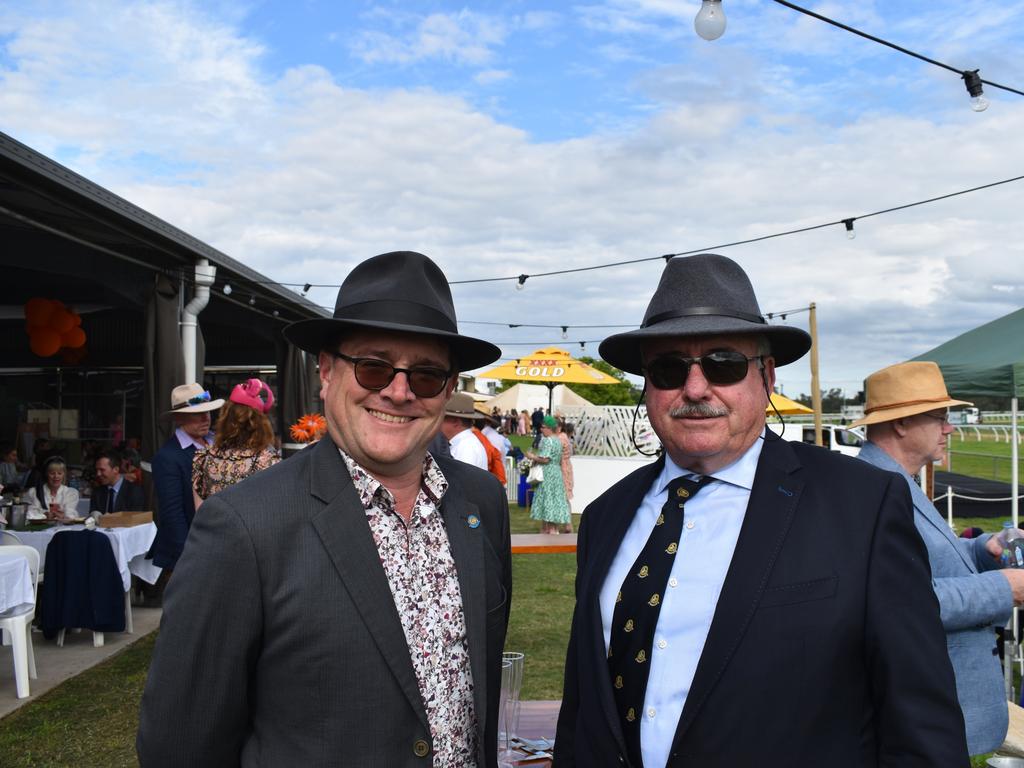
(55, 665)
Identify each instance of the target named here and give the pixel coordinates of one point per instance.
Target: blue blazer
(172, 480)
(825, 647)
(973, 598)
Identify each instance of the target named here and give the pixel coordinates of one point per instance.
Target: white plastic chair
(9, 537)
(18, 623)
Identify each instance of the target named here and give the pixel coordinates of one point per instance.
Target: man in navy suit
(191, 407)
(114, 493)
(745, 600)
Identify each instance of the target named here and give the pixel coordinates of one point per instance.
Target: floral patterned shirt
(213, 470)
(418, 562)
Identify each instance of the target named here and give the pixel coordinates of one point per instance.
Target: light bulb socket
(565, 331)
(850, 232)
(973, 82)
(521, 284)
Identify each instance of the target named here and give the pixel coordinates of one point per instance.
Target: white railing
(606, 430)
(999, 433)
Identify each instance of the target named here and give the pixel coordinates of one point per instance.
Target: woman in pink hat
(244, 442)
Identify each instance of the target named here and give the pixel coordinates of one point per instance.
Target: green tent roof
(986, 361)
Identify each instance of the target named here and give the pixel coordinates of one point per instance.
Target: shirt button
(673, 582)
(420, 748)
(650, 712)
(662, 644)
(689, 523)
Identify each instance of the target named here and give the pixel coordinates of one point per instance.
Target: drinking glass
(511, 685)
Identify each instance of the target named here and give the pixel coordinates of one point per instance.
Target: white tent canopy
(530, 396)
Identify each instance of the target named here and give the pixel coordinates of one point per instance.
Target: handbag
(536, 474)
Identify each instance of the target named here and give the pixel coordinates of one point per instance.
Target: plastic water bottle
(1006, 558)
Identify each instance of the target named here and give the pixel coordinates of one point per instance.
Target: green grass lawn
(984, 458)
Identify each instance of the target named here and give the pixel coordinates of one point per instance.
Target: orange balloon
(37, 312)
(44, 342)
(73, 339)
(77, 318)
(61, 321)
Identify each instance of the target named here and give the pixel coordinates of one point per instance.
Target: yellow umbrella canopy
(785, 406)
(549, 366)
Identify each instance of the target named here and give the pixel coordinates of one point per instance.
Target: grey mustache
(697, 410)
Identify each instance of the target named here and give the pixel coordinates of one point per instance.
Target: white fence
(606, 430)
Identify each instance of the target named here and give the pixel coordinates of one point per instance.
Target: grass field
(984, 458)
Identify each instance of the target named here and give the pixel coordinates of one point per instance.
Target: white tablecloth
(130, 546)
(15, 581)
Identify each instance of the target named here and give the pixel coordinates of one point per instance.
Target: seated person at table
(52, 499)
(10, 475)
(114, 494)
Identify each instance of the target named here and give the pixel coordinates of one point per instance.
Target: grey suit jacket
(280, 643)
(973, 598)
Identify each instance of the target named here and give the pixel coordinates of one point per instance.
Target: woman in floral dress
(550, 505)
(244, 442)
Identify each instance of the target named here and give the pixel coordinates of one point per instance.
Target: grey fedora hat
(401, 291)
(703, 295)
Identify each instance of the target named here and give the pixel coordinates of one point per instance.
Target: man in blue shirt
(907, 425)
(745, 600)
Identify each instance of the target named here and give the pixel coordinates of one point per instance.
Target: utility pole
(815, 384)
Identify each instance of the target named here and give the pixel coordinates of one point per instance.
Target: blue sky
(519, 137)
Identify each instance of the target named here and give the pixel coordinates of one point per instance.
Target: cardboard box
(124, 519)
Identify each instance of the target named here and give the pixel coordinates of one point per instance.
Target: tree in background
(622, 393)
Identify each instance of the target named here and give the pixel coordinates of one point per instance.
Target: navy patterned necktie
(637, 607)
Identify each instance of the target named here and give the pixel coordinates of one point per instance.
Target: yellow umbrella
(549, 366)
(785, 406)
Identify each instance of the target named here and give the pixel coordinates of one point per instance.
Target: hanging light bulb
(973, 82)
(521, 284)
(710, 20)
(583, 345)
(565, 332)
(227, 289)
(850, 234)
(305, 288)
(252, 301)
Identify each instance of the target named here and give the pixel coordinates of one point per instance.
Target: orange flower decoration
(308, 428)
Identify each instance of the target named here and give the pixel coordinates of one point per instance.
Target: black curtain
(298, 386)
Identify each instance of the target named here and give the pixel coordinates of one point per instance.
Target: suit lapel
(773, 502)
(345, 534)
(467, 550)
(616, 514)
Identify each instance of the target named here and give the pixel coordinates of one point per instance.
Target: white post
(949, 506)
(1009, 654)
(205, 274)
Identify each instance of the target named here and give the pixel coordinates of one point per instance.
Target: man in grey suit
(907, 426)
(349, 605)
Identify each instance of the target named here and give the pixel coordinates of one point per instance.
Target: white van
(833, 436)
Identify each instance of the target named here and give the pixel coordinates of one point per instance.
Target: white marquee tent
(530, 396)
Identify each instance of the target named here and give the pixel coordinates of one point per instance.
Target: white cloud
(300, 177)
(491, 76)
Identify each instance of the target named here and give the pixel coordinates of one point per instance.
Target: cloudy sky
(518, 137)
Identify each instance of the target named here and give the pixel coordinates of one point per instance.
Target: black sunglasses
(722, 366)
(375, 374)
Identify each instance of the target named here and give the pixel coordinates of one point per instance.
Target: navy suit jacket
(825, 647)
(131, 498)
(172, 480)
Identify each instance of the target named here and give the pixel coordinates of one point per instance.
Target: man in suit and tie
(114, 493)
(907, 422)
(347, 606)
(192, 408)
(746, 600)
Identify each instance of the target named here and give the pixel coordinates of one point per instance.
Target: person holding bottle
(907, 427)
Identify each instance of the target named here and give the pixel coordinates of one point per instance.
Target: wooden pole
(815, 384)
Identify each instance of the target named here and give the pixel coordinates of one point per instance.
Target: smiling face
(107, 473)
(385, 431)
(55, 476)
(705, 426)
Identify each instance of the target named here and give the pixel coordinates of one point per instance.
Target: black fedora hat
(703, 295)
(401, 291)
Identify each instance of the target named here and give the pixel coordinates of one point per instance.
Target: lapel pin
(473, 521)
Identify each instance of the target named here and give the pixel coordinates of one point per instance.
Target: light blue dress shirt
(712, 522)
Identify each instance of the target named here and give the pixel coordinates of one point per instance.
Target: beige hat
(905, 389)
(191, 398)
(461, 406)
